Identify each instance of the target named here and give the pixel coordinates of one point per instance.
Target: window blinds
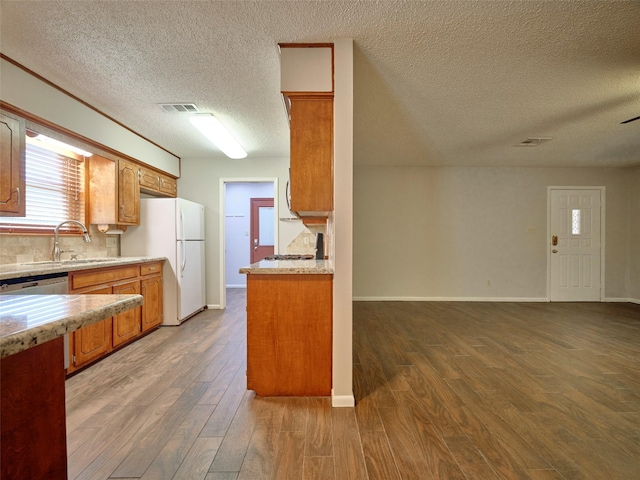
(54, 192)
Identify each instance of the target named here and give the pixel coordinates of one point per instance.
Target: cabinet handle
(19, 197)
(139, 176)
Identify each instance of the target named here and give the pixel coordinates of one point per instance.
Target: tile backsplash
(305, 242)
(37, 248)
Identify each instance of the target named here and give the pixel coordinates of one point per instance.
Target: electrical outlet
(531, 229)
(112, 242)
(488, 283)
(306, 240)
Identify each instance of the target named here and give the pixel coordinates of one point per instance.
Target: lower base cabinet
(89, 344)
(126, 325)
(151, 290)
(289, 334)
(94, 341)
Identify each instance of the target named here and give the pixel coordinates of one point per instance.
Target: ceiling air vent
(533, 142)
(179, 107)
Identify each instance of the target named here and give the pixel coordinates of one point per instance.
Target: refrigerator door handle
(182, 229)
(183, 257)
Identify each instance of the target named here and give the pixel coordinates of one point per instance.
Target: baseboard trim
(214, 307)
(342, 401)
(450, 299)
(622, 300)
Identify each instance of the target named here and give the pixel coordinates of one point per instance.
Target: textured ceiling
(436, 82)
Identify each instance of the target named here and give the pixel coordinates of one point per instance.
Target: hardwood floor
(448, 390)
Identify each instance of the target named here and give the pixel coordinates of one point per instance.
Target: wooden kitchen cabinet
(311, 162)
(12, 165)
(289, 334)
(126, 325)
(149, 180)
(151, 290)
(128, 193)
(114, 193)
(168, 185)
(89, 344)
(157, 183)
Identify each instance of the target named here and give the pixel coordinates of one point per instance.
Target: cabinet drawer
(97, 277)
(151, 268)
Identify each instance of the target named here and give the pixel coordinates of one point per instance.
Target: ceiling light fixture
(58, 143)
(211, 128)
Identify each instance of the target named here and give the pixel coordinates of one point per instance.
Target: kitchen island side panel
(289, 334)
(33, 420)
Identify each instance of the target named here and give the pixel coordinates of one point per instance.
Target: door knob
(554, 251)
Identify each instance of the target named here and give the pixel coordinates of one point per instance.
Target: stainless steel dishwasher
(49, 284)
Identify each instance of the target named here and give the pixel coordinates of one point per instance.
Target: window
(575, 221)
(54, 190)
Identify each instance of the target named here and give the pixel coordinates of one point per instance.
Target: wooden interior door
(262, 228)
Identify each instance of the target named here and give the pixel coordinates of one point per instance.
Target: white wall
(441, 233)
(32, 95)
(238, 226)
(200, 183)
(634, 243)
(342, 226)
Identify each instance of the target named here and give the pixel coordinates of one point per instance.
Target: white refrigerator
(172, 228)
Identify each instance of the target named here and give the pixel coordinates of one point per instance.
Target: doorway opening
(575, 255)
(235, 226)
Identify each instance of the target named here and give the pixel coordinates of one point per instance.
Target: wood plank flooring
(449, 390)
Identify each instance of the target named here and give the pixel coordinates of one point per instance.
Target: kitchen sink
(72, 262)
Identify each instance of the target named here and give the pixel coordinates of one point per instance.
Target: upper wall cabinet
(12, 164)
(156, 183)
(114, 193)
(307, 89)
(128, 193)
(311, 162)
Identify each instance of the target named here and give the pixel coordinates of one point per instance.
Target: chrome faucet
(56, 243)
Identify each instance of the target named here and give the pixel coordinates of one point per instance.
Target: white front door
(575, 244)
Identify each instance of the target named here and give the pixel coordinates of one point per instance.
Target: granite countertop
(287, 267)
(20, 270)
(29, 320)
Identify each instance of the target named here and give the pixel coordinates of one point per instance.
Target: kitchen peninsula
(32, 376)
(289, 327)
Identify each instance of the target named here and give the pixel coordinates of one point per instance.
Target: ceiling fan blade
(630, 120)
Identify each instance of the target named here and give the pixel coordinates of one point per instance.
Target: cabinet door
(12, 160)
(289, 334)
(93, 341)
(128, 193)
(149, 180)
(151, 289)
(168, 185)
(311, 169)
(126, 325)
